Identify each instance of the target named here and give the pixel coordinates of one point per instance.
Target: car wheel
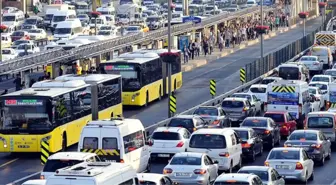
(329, 154)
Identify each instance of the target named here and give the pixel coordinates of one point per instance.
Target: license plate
(285, 167)
(163, 155)
(182, 174)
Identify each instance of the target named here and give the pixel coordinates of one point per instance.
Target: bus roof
(95, 78)
(132, 60)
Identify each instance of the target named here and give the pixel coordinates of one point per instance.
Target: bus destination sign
(23, 102)
(119, 67)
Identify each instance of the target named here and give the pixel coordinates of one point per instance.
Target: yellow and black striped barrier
(172, 104)
(45, 151)
(101, 152)
(213, 88)
(242, 75)
(283, 89)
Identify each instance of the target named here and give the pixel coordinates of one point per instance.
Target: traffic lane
(322, 174)
(195, 89)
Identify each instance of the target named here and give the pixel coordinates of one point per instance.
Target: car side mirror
(216, 162)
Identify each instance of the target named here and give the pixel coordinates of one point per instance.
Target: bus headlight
(134, 96)
(4, 142)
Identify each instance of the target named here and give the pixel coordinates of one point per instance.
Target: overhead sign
(193, 19)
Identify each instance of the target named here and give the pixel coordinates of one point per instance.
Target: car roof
(286, 148)
(234, 99)
(324, 83)
(208, 107)
(71, 155)
(188, 154)
(321, 112)
(322, 76)
(150, 176)
(235, 176)
(259, 85)
(242, 93)
(185, 116)
(169, 129)
(213, 131)
(258, 118)
(304, 131)
(242, 128)
(259, 168)
(273, 78)
(276, 112)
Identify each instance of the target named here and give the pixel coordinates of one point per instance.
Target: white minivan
(222, 145)
(117, 140)
(323, 121)
(61, 16)
(13, 19)
(68, 29)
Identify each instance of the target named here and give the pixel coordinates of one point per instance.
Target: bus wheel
(64, 142)
(160, 93)
(147, 99)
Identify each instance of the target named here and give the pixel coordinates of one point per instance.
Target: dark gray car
(238, 109)
(215, 116)
(314, 142)
(190, 122)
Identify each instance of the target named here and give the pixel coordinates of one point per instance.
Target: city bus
(144, 75)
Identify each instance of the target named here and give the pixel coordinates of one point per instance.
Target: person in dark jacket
(17, 82)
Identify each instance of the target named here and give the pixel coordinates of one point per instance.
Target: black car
(190, 122)
(266, 128)
(252, 143)
(215, 116)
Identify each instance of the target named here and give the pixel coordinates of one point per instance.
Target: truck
(328, 39)
(126, 13)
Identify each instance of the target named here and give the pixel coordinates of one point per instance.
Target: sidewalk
(203, 60)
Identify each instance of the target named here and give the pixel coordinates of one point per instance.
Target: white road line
(24, 178)
(333, 182)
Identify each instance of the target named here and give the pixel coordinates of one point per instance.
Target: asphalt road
(195, 90)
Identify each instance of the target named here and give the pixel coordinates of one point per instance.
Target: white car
(8, 54)
(268, 175)
(322, 78)
(331, 72)
(30, 48)
(252, 99)
(165, 142)
(312, 63)
(292, 163)
(238, 178)
(9, 9)
(192, 168)
(318, 94)
(324, 87)
(64, 159)
(259, 90)
(36, 34)
(153, 179)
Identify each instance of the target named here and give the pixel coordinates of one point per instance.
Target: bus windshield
(26, 115)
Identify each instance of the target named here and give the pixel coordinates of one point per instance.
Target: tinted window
(186, 161)
(320, 122)
(207, 141)
(206, 111)
(166, 136)
(279, 118)
(259, 89)
(320, 79)
(289, 73)
(232, 104)
(53, 165)
(303, 136)
(232, 183)
(242, 96)
(180, 122)
(254, 123)
(90, 143)
(262, 174)
(242, 134)
(110, 143)
(147, 183)
(284, 154)
(308, 59)
(321, 86)
(133, 141)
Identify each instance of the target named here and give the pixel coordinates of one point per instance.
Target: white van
(64, 159)
(290, 96)
(61, 16)
(117, 140)
(324, 121)
(98, 173)
(324, 55)
(109, 13)
(293, 71)
(68, 29)
(101, 21)
(222, 145)
(13, 19)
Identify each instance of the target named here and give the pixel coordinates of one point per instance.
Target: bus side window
(62, 109)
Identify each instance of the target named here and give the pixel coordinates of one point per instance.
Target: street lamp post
(262, 35)
(303, 16)
(169, 50)
(0, 31)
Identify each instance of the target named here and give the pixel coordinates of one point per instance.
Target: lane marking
(24, 178)
(9, 162)
(333, 182)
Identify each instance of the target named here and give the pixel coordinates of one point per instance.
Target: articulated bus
(144, 75)
(52, 110)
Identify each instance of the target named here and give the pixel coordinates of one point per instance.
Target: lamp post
(322, 6)
(95, 15)
(261, 35)
(303, 16)
(261, 30)
(2, 29)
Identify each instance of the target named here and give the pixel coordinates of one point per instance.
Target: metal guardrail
(94, 49)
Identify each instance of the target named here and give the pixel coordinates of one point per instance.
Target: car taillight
(180, 144)
(216, 122)
(224, 154)
(266, 163)
(298, 166)
(167, 171)
(245, 109)
(42, 177)
(246, 145)
(122, 161)
(287, 145)
(316, 146)
(200, 171)
(267, 132)
(150, 143)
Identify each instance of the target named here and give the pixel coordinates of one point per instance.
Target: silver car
(215, 116)
(191, 168)
(268, 175)
(252, 99)
(292, 163)
(238, 109)
(313, 142)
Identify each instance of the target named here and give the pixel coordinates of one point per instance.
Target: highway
(195, 90)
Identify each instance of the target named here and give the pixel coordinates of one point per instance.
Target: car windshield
(320, 79)
(205, 111)
(312, 91)
(54, 164)
(232, 104)
(181, 122)
(105, 28)
(254, 123)
(62, 30)
(18, 33)
(278, 118)
(8, 18)
(247, 96)
(34, 31)
(243, 134)
(284, 154)
(166, 136)
(289, 73)
(321, 86)
(186, 161)
(27, 27)
(178, 9)
(262, 174)
(208, 141)
(59, 18)
(129, 74)
(320, 122)
(303, 136)
(30, 21)
(48, 17)
(24, 46)
(308, 59)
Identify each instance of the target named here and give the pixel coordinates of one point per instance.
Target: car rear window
(90, 143)
(321, 86)
(233, 182)
(289, 73)
(232, 104)
(254, 123)
(243, 134)
(308, 59)
(320, 79)
(181, 122)
(279, 118)
(207, 141)
(55, 164)
(262, 174)
(258, 89)
(303, 136)
(285, 154)
(320, 122)
(206, 111)
(110, 143)
(186, 161)
(166, 136)
(247, 96)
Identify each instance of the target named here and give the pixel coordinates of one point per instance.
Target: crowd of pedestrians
(233, 35)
